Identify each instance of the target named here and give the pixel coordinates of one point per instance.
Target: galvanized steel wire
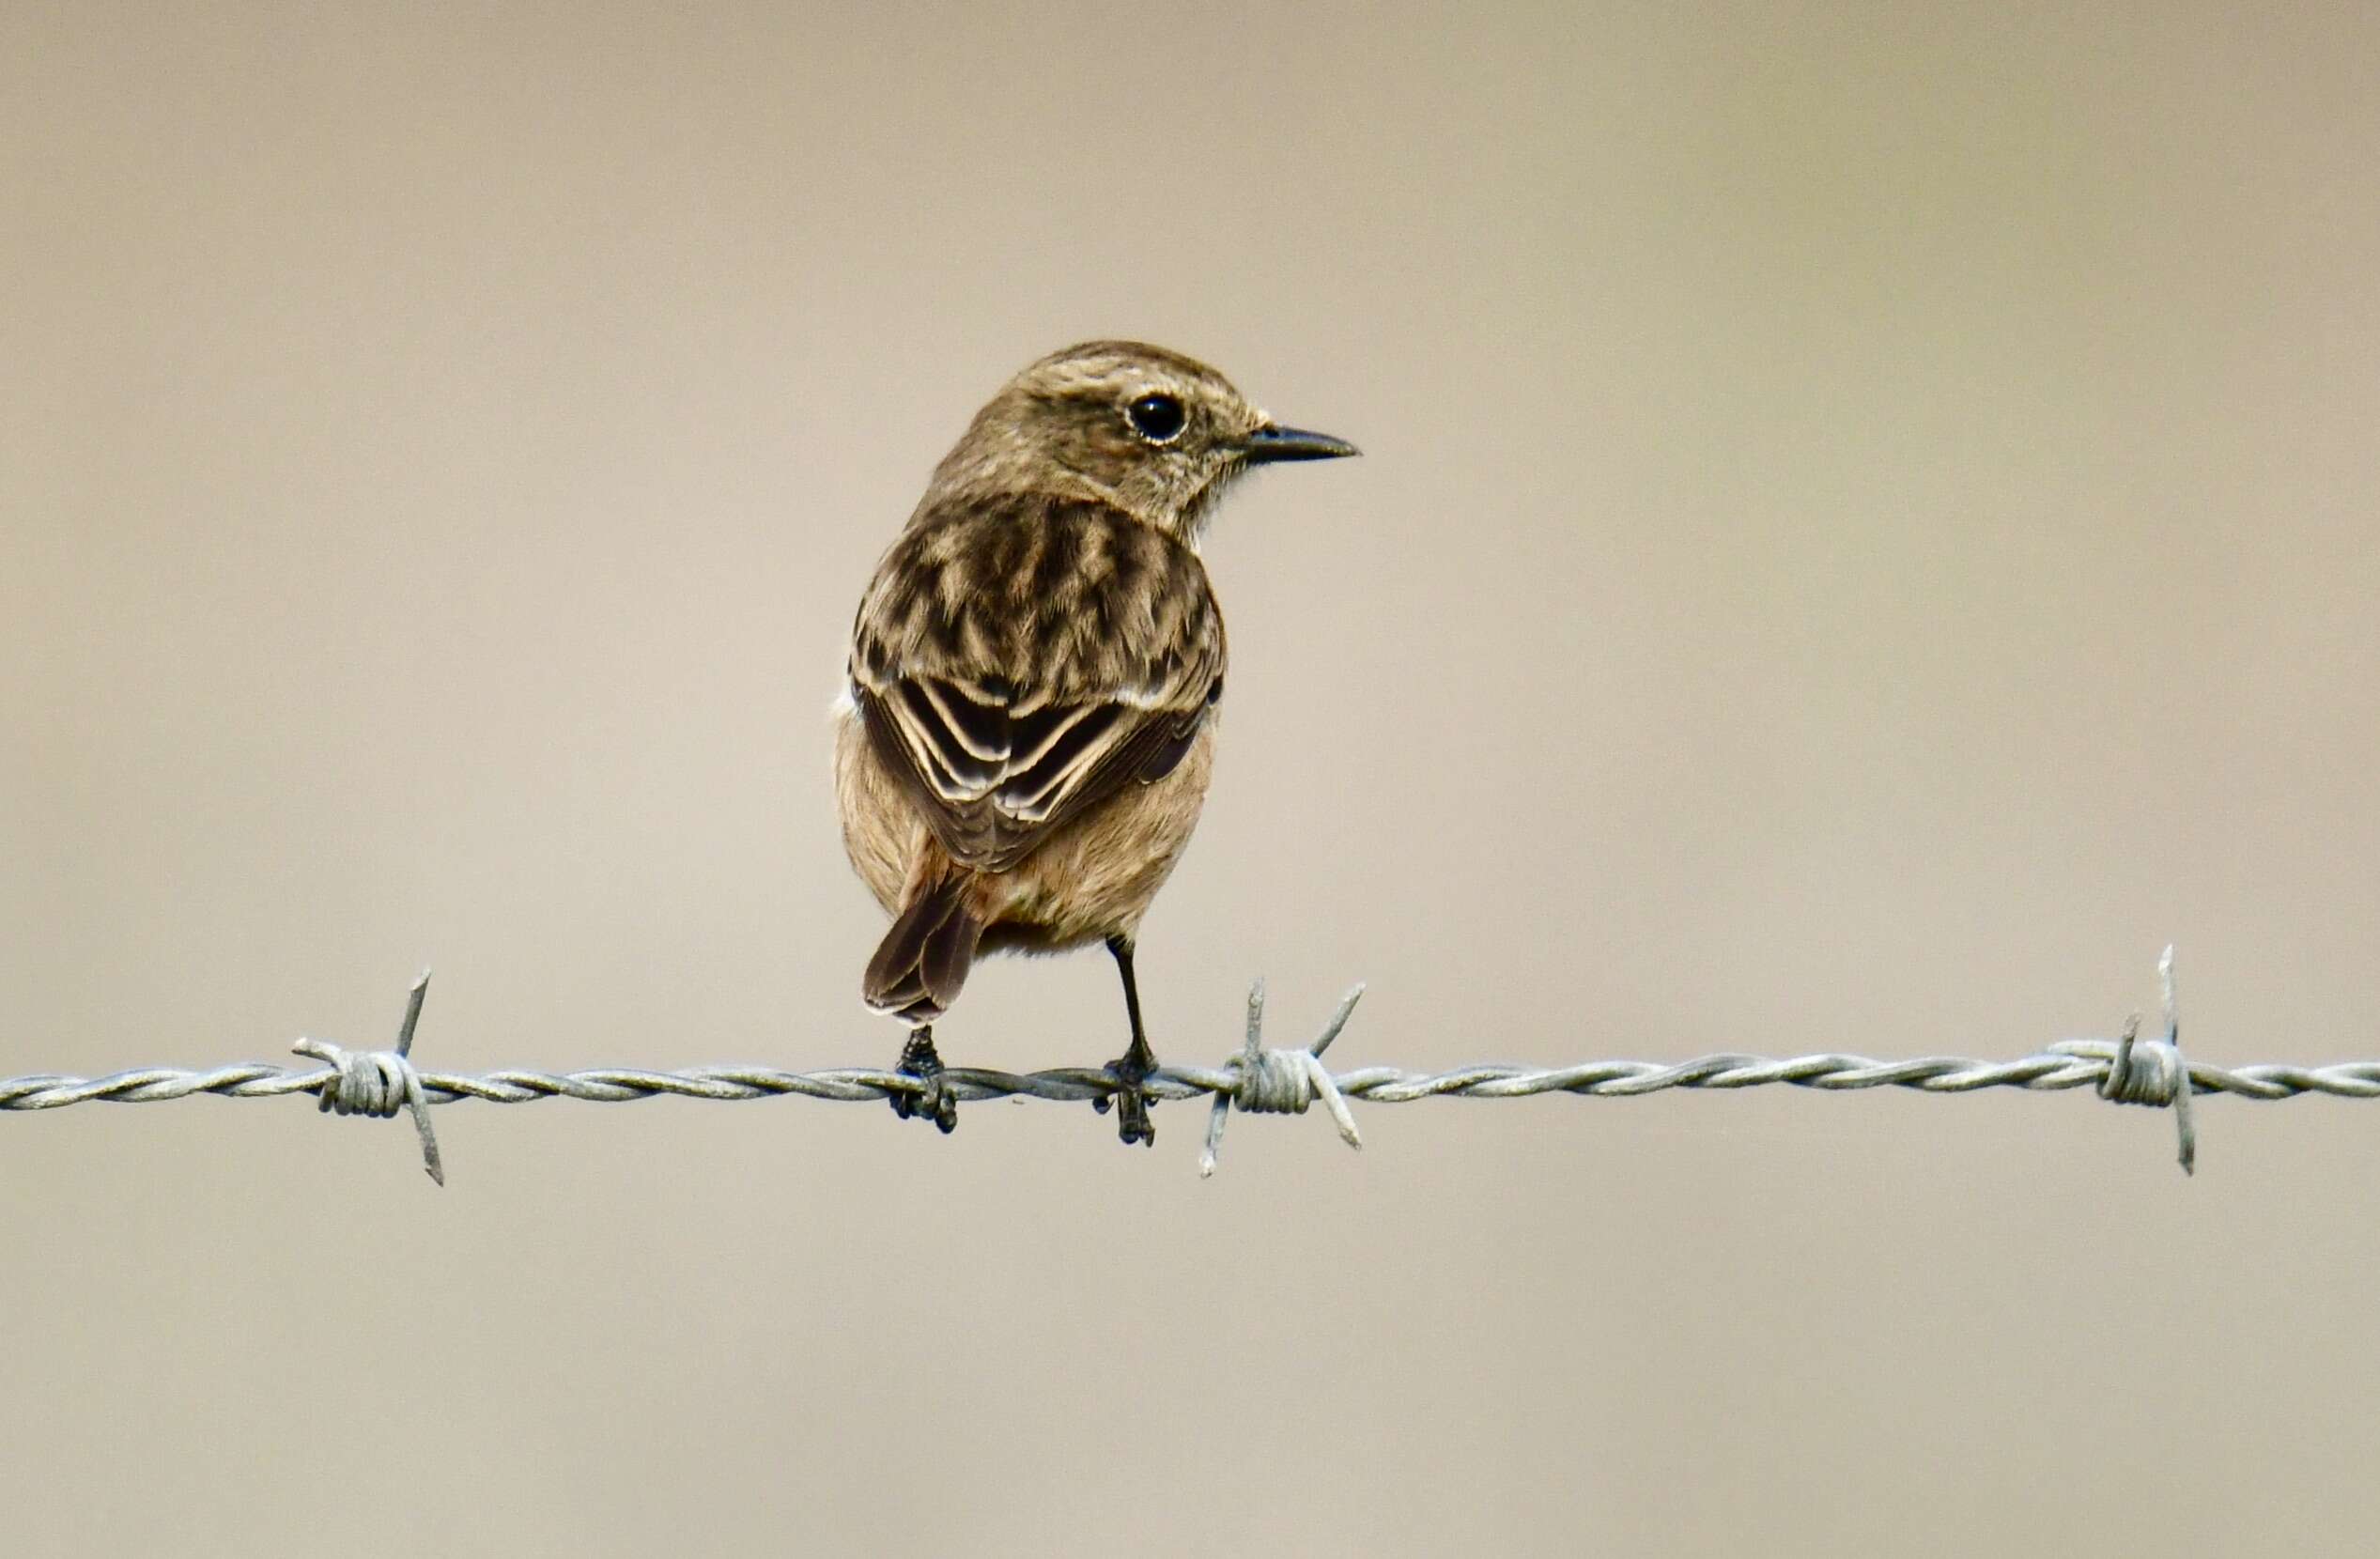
(2125, 1069)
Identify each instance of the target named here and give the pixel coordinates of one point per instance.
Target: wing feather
(1020, 660)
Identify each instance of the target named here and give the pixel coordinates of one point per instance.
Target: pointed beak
(1274, 443)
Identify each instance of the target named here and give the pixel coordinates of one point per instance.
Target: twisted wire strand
(2130, 1070)
(2069, 1064)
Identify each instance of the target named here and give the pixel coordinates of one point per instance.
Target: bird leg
(939, 1103)
(1131, 1068)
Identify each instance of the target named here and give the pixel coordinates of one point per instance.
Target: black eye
(1156, 418)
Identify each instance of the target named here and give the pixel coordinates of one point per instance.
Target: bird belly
(1096, 877)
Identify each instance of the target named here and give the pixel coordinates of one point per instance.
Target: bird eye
(1156, 418)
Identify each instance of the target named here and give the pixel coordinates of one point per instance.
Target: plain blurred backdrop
(1867, 532)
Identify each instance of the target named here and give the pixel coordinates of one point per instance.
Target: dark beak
(1272, 442)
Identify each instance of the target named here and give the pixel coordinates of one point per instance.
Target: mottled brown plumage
(1034, 676)
(1021, 656)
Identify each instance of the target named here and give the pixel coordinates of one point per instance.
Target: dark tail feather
(923, 960)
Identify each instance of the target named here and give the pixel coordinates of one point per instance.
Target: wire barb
(2128, 1070)
(2153, 1072)
(1280, 1082)
(380, 1083)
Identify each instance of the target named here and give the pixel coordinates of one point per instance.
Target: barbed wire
(2127, 1069)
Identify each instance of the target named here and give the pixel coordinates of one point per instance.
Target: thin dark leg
(919, 1061)
(1122, 949)
(1135, 1065)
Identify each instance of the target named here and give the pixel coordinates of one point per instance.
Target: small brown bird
(1034, 673)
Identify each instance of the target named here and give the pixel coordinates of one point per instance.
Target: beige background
(1867, 534)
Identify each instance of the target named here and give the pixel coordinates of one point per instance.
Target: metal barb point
(380, 1082)
(413, 999)
(2184, 1129)
(1280, 1082)
(2154, 1071)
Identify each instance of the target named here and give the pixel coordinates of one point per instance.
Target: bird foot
(1131, 1071)
(938, 1103)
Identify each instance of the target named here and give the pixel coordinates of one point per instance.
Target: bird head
(1156, 433)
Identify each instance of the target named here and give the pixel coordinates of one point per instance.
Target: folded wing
(1019, 662)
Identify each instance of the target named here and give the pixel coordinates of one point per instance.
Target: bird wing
(1018, 660)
